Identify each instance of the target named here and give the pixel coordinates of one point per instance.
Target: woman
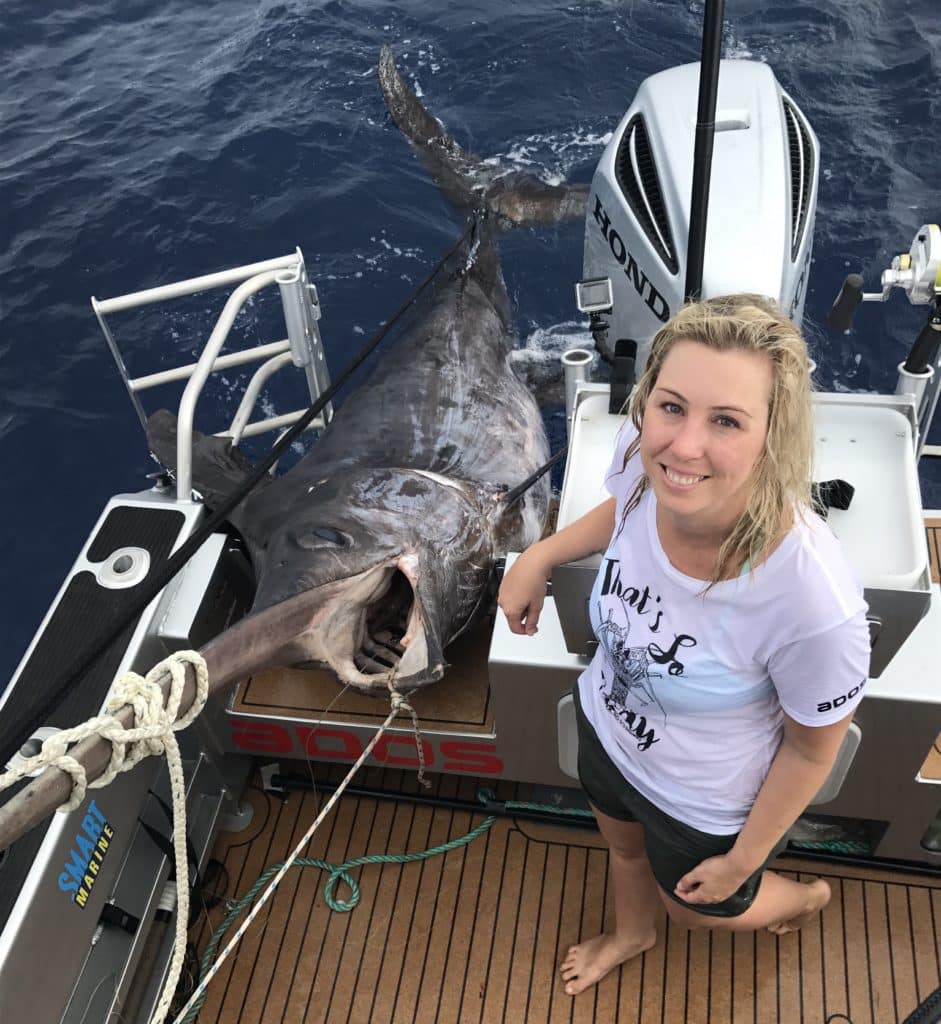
(728, 624)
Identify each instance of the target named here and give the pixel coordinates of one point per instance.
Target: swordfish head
(368, 571)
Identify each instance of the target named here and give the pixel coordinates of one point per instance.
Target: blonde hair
(782, 474)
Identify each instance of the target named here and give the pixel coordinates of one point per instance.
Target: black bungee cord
(512, 496)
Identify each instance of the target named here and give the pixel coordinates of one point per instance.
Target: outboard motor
(762, 202)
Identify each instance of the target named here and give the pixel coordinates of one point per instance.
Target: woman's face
(703, 431)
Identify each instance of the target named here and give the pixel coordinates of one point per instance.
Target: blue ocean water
(145, 143)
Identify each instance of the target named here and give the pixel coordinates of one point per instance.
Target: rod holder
(301, 313)
(576, 365)
(296, 315)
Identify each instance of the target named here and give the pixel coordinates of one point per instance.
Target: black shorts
(673, 848)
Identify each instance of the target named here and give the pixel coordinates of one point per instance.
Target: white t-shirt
(686, 691)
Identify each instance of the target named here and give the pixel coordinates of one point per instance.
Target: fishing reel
(918, 273)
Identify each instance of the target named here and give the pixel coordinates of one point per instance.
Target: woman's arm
(799, 769)
(523, 589)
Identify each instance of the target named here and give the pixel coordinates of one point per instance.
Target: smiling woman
(699, 450)
(727, 437)
(703, 730)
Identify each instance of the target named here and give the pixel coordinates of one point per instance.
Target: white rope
(398, 703)
(152, 733)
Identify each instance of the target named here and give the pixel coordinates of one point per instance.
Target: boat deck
(477, 934)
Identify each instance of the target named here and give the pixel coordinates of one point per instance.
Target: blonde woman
(733, 644)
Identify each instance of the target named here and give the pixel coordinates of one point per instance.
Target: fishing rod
(702, 153)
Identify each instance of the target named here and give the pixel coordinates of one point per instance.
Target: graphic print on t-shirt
(630, 675)
(629, 670)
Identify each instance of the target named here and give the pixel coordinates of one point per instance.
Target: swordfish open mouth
(372, 631)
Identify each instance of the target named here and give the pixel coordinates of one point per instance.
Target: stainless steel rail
(302, 347)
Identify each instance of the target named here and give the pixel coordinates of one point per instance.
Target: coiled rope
(152, 733)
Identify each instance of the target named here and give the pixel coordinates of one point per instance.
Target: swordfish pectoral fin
(465, 179)
(218, 467)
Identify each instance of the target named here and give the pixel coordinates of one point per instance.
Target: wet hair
(782, 474)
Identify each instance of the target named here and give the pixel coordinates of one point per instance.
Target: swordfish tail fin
(467, 182)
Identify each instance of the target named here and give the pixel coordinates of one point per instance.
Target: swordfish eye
(324, 537)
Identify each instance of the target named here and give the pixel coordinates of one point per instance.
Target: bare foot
(589, 961)
(818, 896)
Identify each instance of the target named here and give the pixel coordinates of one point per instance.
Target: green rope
(565, 812)
(484, 795)
(829, 846)
(832, 846)
(338, 873)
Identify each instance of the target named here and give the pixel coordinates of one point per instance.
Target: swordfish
(377, 549)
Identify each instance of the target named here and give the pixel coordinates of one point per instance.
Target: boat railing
(302, 347)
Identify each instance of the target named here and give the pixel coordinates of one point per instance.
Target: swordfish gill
(377, 549)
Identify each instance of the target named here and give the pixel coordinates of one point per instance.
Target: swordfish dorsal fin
(465, 179)
(218, 467)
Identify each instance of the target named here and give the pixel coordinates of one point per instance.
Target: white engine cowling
(762, 200)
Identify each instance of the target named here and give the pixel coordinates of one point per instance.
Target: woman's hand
(523, 592)
(712, 881)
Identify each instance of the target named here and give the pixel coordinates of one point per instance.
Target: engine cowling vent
(636, 174)
(801, 155)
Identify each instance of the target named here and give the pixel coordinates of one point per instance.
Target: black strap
(831, 494)
(165, 845)
(514, 494)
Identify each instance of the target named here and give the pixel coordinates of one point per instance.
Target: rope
(832, 845)
(399, 703)
(152, 733)
(338, 873)
(829, 845)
